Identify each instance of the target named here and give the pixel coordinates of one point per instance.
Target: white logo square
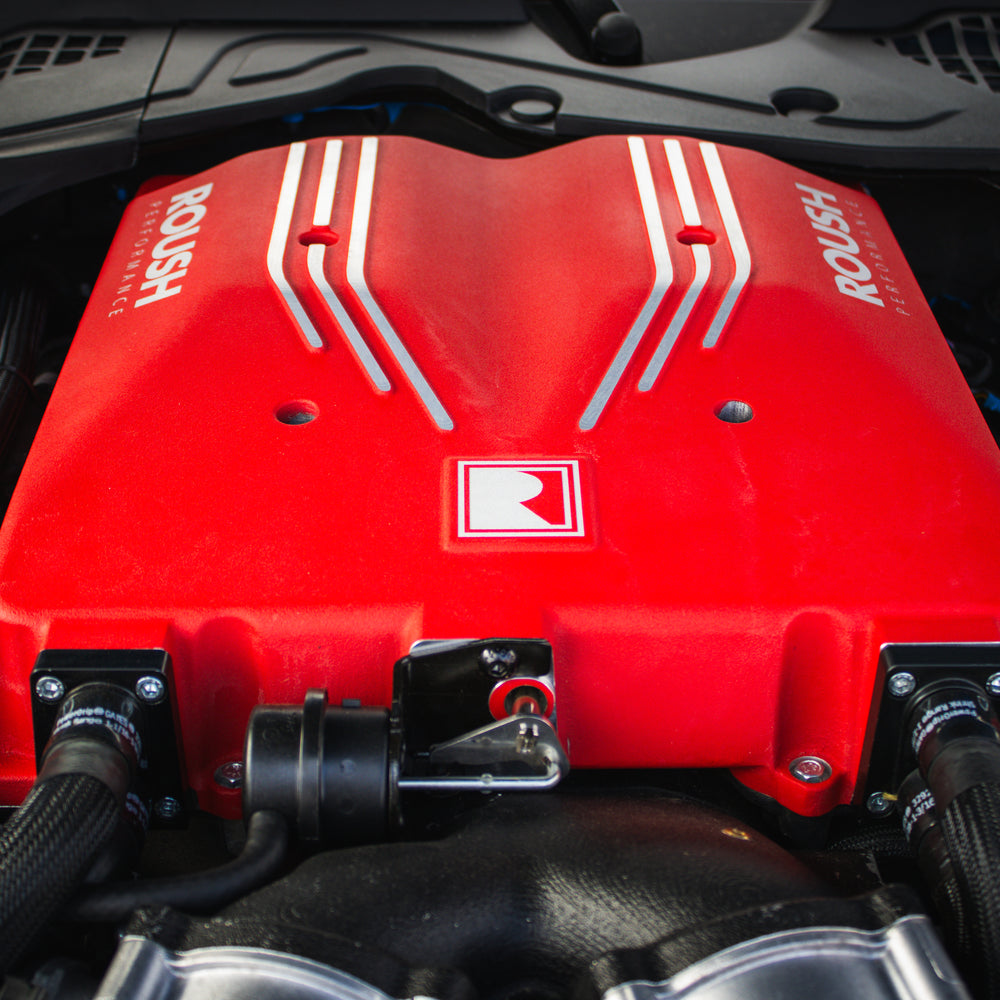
(520, 499)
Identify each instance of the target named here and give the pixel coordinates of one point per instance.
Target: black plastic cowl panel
(808, 95)
(775, 84)
(72, 97)
(890, 15)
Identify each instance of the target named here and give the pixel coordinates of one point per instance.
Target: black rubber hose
(262, 857)
(46, 850)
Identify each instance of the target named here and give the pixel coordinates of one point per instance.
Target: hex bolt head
(498, 662)
(230, 774)
(810, 770)
(878, 804)
(167, 808)
(993, 685)
(902, 684)
(49, 689)
(150, 689)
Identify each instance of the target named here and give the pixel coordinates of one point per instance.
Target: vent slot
(965, 46)
(27, 54)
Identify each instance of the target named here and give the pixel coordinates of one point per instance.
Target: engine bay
(445, 563)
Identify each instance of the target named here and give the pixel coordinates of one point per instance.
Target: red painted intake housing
(678, 408)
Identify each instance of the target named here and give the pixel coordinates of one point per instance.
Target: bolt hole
(300, 411)
(530, 111)
(690, 235)
(323, 235)
(735, 411)
(527, 105)
(803, 102)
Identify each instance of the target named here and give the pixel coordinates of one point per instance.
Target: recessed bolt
(167, 808)
(498, 662)
(150, 689)
(902, 684)
(49, 689)
(230, 774)
(811, 770)
(878, 804)
(993, 685)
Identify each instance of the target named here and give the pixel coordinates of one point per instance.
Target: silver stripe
(321, 217)
(661, 282)
(279, 240)
(737, 241)
(356, 279)
(702, 264)
(682, 183)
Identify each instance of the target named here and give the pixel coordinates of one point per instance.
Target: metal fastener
(879, 804)
(811, 770)
(498, 662)
(167, 808)
(49, 689)
(150, 689)
(993, 685)
(527, 737)
(230, 774)
(902, 684)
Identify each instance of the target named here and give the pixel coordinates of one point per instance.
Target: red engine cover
(331, 399)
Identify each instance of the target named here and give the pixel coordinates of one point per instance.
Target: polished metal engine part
(143, 970)
(906, 961)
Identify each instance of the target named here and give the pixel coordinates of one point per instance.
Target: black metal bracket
(888, 756)
(442, 689)
(160, 769)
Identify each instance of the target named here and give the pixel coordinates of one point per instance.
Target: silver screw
(498, 662)
(49, 689)
(810, 770)
(527, 737)
(150, 689)
(230, 774)
(993, 685)
(902, 684)
(878, 804)
(167, 808)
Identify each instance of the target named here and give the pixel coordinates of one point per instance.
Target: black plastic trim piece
(890, 15)
(206, 78)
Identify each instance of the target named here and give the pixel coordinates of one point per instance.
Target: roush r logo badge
(520, 499)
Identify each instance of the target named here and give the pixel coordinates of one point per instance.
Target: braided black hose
(884, 843)
(971, 825)
(926, 838)
(46, 850)
(946, 894)
(954, 734)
